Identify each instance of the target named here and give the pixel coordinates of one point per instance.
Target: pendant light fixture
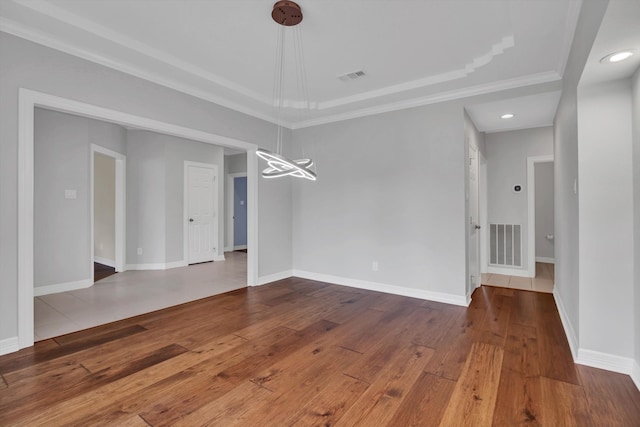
(287, 14)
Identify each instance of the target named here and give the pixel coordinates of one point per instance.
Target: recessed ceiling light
(617, 56)
(507, 116)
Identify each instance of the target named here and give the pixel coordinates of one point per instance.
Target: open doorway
(107, 215)
(237, 212)
(541, 221)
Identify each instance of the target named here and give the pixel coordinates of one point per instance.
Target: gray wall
(544, 209)
(506, 154)
(390, 189)
(236, 163)
(104, 207)
(566, 165)
(62, 251)
(146, 199)
(28, 65)
(606, 217)
(636, 208)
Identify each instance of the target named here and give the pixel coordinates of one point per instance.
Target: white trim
(27, 101)
(606, 361)
(19, 30)
(230, 201)
(9, 345)
(381, 287)
(569, 33)
(635, 374)
(108, 262)
(518, 82)
(270, 278)
(157, 265)
(62, 287)
(228, 249)
(219, 257)
(185, 208)
(491, 269)
(545, 259)
(531, 210)
(237, 248)
(484, 215)
(120, 205)
(566, 324)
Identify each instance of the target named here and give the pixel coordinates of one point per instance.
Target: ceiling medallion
(287, 14)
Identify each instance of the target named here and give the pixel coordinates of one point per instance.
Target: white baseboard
(228, 249)
(9, 345)
(157, 266)
(263, 280)
(104, 261)
(609, 362)
(219, 258)
(566, 324)
(381, 287)
(237, 248)
(545, 260)
(61, 287)
(635, 374)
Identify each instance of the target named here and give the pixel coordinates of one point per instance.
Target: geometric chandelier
(287, 14)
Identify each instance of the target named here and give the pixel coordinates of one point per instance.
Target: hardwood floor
(101, 271)
(299, 352)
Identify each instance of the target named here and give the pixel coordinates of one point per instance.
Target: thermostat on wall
(517, 188)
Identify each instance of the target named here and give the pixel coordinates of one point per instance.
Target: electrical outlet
(139, 251)
(374, 265)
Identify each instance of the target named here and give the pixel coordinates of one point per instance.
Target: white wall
(567, 239)
(606, 218)
(544, 209)
(104, 208)
(28, 65)
(506, 154)
(390, 189)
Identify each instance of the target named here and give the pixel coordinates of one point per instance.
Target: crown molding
(28, 33)
(140, 48)
(478, 62)
(532, 79)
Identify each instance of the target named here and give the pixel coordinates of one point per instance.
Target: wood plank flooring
(305, 353)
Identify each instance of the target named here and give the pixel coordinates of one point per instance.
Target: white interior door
(474, 218)
(202, 217)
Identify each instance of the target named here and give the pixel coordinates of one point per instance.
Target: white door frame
(217, 256)
(531, 211)
(120, 206)
(28, 100)
(484, 212)
(478, 245)
(230, 244)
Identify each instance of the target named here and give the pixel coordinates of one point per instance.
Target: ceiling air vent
(351, 76)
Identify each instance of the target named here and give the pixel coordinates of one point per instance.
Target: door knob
(190, 219)
(477, 227)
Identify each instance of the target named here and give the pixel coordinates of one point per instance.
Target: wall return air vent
(352, 75)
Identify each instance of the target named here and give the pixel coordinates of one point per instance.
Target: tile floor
(543, 282)
(132, 293)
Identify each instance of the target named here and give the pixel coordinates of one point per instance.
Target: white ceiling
(620, 30)
(413, 52)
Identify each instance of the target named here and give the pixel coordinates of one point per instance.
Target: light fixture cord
(303, 90)
(278, 79)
